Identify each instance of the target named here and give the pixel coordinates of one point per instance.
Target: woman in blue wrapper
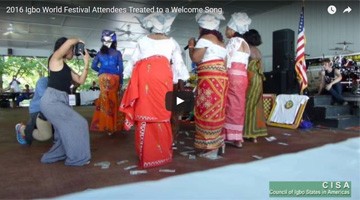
(109, 64)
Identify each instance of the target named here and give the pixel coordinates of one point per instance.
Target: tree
(30, 69)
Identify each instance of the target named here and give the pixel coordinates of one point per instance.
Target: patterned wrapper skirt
(106, 116)
(255, 123)
(235, 104)
(210, 104)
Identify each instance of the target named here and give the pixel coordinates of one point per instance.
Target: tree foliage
(29, 69)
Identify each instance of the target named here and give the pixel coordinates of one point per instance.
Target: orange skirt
(106, 116)
(144, 106)
(153, 143)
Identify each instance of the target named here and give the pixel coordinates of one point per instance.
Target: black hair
(252, 37)
(216, 33)
(59, 42)
(105, 50)
(326, 60)
(237, 34)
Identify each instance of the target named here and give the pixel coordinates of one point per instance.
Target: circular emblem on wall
(289, 104)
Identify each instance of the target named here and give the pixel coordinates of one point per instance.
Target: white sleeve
(130, 65)
(179, 68)
(203, 43)
(231, 49)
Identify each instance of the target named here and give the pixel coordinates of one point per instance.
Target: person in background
(255, 123)
(209, 55)
(25, 94)
(71, 130)
(94, 87)
(14, 85)
(237, 59)
(330, 80)
(152, 76)
(36, 128)
(175, 113)
(109, 64)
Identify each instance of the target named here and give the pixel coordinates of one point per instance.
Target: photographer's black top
(61, 80)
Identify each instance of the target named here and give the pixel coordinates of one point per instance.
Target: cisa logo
(289, 104)
(336, 185)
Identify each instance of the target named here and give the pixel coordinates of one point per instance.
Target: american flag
(300, 65)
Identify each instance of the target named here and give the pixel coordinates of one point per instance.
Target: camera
(92, 52)
(79, 49)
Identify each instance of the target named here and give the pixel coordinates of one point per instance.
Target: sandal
(20, 138)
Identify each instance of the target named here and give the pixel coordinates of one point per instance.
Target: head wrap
(158, 22)
(239, 22)
(108, 37)
(210, 21)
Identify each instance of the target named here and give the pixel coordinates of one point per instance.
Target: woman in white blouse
(152, 76)
(209, 54)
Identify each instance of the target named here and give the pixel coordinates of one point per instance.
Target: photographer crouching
(71, 136)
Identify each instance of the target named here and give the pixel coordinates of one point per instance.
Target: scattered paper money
(270, 139)
(215, 157)
(167, 170)
(186, 153)
(130, 167)
(136, 172)
(122, 162)
(103, 164)
(257, 157)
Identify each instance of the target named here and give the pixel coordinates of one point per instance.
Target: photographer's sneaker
(20, 138)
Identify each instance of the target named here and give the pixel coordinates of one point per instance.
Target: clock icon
(331, 9)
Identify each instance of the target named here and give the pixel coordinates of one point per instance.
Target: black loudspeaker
(10, 52)
(280, 82)
(283, 49)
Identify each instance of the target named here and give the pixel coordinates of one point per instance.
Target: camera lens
(92, 52)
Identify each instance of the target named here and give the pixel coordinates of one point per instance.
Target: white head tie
(239, 22)
(158, 22)
(210, 21)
